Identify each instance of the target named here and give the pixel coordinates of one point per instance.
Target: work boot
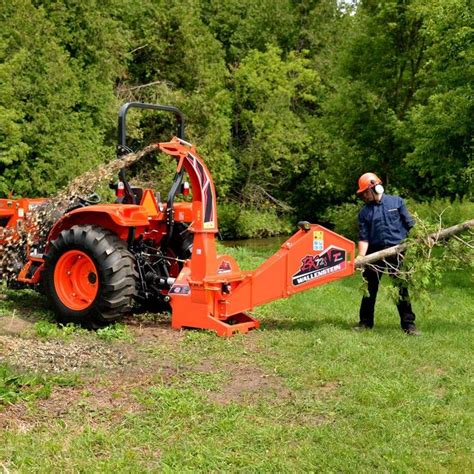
(361, 327)
(411, 330)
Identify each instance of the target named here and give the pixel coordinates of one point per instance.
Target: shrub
(238, 223)
(450, 213)
(343, 219)
(228, 215)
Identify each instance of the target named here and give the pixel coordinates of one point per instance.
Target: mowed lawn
(304, 393)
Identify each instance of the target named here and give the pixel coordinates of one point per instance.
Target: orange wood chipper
(100, 261)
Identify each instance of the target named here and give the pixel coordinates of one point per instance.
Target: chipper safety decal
(315, 266)
(318, 240)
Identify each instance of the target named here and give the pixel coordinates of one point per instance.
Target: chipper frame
(211, 292)
(99, 260)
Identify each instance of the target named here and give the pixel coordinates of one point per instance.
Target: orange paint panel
(128, 215)
(296, 267)
(13, 213)
(183, 211)
(219, 294)
(31, 272)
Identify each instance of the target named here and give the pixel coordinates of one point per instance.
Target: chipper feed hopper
(100, 261)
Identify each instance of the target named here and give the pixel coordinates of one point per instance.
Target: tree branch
(442, 234)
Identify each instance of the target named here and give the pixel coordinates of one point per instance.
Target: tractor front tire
(89, 276)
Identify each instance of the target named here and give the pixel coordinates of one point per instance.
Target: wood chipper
(100, 261)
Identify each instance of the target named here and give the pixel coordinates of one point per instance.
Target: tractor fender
(118, 218)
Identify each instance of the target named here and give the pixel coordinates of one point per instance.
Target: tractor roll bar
(122, 149)
(122, 127)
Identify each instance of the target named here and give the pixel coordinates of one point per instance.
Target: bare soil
(249, 384)
(111, 373)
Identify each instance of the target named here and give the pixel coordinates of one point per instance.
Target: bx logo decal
(316, 266)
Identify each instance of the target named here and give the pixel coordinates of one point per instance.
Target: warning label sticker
(318, 240)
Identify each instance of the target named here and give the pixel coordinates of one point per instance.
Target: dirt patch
(247, 384)
(82, 354)
(327, 389)
(110, 374)
(159, 329)
(14, 325)
(429, 369)
(97, 402)
(310, 420)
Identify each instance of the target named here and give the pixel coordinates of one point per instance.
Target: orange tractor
(101, 260)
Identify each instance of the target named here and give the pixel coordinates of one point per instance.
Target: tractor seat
(138, 193)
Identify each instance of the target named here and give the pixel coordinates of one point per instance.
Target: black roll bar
(122, 148)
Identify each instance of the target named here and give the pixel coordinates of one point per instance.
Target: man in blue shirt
(384, 221)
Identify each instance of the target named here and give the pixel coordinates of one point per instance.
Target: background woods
(288, 101)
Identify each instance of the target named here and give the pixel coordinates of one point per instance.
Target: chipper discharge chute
(100, 261)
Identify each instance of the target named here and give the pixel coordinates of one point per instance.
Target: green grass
(51, 330)
(15, 387)
(330, 399)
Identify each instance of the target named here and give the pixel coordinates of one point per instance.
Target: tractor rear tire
(182, 241)
(89, 276)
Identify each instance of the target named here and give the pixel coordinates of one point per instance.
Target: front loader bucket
(311, 257)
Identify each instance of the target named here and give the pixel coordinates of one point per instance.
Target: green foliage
(439, 127)
(424, 265)
(228, 216)
(261, 224)
(401, 103)
(16, 386)
(178, 61)
(56, 70)
(238, 223)
(51, 330)
(274, 96)
(285, 99)
(443, 211)
(243, 26)
(115, 332)
(343, 219)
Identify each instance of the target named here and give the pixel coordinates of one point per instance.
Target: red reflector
(120, 189)
(186, 188)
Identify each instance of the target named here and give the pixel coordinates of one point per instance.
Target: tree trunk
(431, 240)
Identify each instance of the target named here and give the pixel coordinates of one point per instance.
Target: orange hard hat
(368, 180)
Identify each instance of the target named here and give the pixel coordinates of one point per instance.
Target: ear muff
(378, 189)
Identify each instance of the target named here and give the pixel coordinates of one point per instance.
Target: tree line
(288, 101)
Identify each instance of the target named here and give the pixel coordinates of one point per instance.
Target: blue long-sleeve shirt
(385, 223)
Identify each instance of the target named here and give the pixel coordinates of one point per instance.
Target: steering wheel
(93, 198)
